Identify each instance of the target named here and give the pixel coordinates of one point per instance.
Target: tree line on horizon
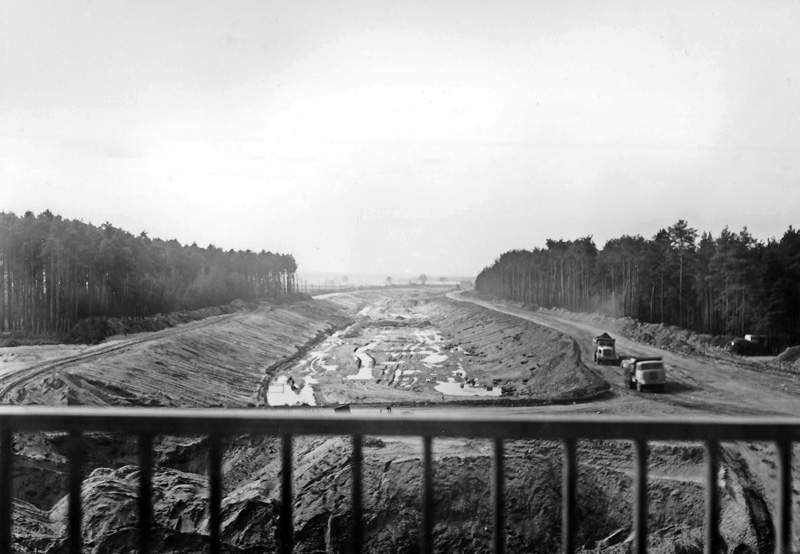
(55, 272)
(731, 284)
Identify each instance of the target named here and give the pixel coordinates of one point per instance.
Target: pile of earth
(531, 361)
(790, 358)
(392, 484)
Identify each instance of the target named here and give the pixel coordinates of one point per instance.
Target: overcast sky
(392, 137)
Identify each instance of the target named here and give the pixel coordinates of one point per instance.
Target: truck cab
(644, 373)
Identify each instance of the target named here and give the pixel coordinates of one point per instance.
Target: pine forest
(728, 285)
(55, 272)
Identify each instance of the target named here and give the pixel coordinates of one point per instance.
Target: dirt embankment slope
(218, 361)
(532, 361)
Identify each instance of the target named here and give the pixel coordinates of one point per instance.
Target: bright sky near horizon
(401, 137)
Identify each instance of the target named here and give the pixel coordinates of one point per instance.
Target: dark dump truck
(604, 350)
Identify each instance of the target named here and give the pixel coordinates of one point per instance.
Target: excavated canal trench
(423, 351)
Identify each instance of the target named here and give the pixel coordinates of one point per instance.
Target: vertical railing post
(427, 496)
(75, 456)
(215, 491)
(287, 530)
(357, 534)
(712, 497)
(784, 528)
(499, 478)
(145, 491)
(6, 503)
(640, 506)
(569, 482)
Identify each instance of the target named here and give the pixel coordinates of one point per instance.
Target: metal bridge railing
(145, 423)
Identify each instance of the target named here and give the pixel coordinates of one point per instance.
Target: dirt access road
(712, 384)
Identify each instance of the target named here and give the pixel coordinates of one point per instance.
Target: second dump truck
(604, 349)
(644, 373)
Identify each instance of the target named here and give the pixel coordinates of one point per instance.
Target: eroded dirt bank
(409, 349)
(218, 361)
(392, 485)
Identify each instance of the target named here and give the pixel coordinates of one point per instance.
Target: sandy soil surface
(418, 352)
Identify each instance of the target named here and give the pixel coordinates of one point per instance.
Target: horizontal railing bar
(285, 422)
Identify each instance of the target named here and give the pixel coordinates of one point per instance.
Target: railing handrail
(215, 423)
(326, 422)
